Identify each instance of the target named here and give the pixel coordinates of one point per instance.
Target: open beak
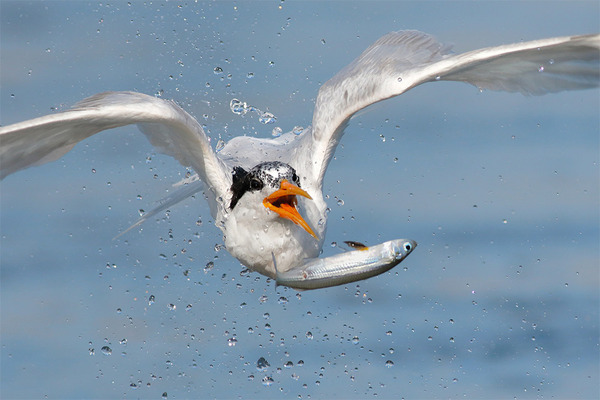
(283, 202)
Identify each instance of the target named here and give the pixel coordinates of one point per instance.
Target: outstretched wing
(400, 61)
(168, 127)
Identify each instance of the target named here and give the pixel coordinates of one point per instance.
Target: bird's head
(277, 184)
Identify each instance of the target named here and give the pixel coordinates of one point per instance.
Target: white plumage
(252, 232)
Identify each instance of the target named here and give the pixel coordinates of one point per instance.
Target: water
(500, 191)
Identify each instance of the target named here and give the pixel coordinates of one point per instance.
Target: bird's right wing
(168, 127)
(400, 61)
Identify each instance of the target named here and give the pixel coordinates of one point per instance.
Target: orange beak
(283, 202)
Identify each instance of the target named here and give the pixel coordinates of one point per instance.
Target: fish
(350, 266)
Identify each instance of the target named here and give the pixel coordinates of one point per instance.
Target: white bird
(266, 194)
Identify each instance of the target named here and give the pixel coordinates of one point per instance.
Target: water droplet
(277, 131)
(250, 75)
(107, 351)
(541, 68)
(209, 266)
(164, 396)
(282, 300)
(399, 79)
(231, 342)
(262, 364)
(389, 363)
(151, 300)
(123, 341)
(172, 307)
(355, 340)
(309, 335)
(297, 130)
(267, 118)
(340, 202)
(238, 107)
(218, 70)
(267, 381)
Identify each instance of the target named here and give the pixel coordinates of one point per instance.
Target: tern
(266, 194)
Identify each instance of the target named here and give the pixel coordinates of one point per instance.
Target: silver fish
(346, 267)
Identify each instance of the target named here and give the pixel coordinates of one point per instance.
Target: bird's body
(266, 195)
(250, 233)
(249, 244)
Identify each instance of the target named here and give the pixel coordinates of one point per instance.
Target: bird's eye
(255, 184)
(407, 246)
(295, 178)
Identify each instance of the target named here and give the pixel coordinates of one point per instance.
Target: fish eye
(407, 246)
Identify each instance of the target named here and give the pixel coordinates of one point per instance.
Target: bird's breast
(256, 236)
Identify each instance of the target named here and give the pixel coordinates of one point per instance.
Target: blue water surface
(500, 299)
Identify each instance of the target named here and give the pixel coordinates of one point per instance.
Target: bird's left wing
(168, 127)
(400, 61)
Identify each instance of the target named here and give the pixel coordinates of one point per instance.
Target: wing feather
(400, 61)
(168, 127)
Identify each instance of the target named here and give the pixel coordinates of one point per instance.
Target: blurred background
(500, 299)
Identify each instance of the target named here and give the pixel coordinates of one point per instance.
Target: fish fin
(356, 245)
